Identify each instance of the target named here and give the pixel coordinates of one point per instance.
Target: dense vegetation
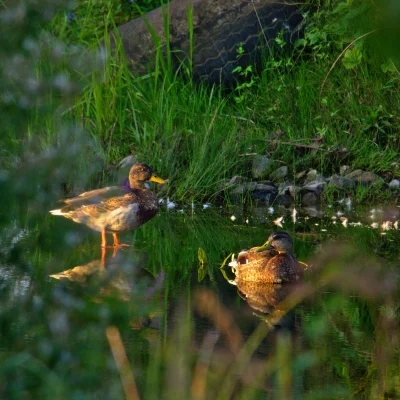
(331, 100)
(67, 113)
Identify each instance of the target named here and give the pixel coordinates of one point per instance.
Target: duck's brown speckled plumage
(263, 296)
(247, 256)
(115, 209)
(277, 265)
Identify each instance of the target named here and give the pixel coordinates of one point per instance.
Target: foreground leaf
(352, 58)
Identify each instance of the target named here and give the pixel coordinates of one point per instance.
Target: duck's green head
(280, 241)
(140, 173)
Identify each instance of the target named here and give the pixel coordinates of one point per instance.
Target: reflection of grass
(52, 337)
(208, 346)
(341, 360)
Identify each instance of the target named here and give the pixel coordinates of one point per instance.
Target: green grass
(197, 136)
(53, 342)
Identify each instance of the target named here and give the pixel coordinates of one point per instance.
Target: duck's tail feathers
(57, 212)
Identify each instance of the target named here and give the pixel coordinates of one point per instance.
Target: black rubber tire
(219, 26)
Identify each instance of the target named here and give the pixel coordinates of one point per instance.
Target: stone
(340, 182)
(316, 187)
(343, 169)
(311, 175)
(265, 187)
(313, 211)
(283, 200)
(293, 190)
(314, 176)
(237, 179)
(279, 174)
(260, 166)
(394, 184)
(269, 183)
(251, 186)
(354, 174)
(266, 193)
(309, 199)
(239, 191)
(284, 188)
(369, 178)
(300, 175)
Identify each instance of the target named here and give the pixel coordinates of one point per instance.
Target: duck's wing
(92, 197)
(129, 199)
(246, 256)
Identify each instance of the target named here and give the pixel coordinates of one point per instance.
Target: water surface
(189, 333)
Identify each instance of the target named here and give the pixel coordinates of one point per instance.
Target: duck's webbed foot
(117, 242)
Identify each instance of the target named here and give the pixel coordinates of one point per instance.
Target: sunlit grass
(336, 337)
(199, 135)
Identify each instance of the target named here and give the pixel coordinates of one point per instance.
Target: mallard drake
(276, 265)
(115, 209)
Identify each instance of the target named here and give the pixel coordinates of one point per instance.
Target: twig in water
(119, 354)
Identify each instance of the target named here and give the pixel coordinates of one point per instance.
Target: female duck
(276, 265)
(115, 209)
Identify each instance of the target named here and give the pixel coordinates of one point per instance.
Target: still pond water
(188, 332)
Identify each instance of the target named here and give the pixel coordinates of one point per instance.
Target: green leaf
(352, 58)
(201, 254)
(300, 43)
(225, 260)
(388, 66)
(341, 7)
(202, 271)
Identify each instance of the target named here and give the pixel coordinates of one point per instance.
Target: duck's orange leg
(103, 238)
(103, 256)
(117, 243)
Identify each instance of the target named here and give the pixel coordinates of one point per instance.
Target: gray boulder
(309, 199)
(369, 178)
(260, 166)
(264, 192)
(394, 184)
(279, 174)
(237, 179)
(316, 187)
(283, 200)
(354, 174)
(341, 182)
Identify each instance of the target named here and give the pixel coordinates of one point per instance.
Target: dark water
(189, 333)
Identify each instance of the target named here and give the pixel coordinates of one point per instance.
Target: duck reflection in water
(262, 296)
(120, 275)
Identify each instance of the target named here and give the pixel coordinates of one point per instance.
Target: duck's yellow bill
(157, 179)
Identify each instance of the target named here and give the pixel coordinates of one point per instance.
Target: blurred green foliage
(342, 341)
